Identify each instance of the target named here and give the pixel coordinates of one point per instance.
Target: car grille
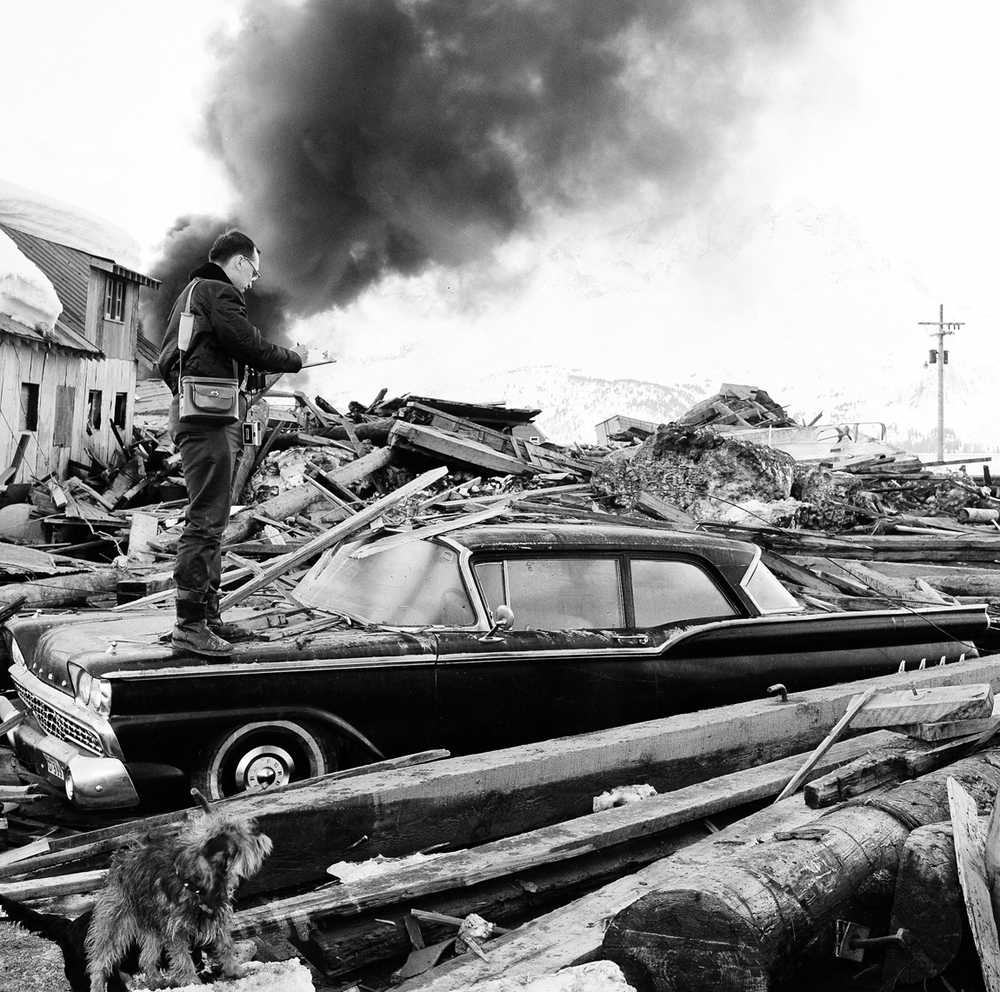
(59, 725)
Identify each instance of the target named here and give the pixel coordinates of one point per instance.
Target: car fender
(138, 724)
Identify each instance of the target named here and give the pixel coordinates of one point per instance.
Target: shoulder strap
(180, 352)
(186, 310)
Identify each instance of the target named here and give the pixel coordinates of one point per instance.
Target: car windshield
(416, 585)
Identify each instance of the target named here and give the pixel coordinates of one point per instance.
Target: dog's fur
(172, 893)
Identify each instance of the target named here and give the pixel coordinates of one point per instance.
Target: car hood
(130, 646)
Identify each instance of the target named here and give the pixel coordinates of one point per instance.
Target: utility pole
(940, 356)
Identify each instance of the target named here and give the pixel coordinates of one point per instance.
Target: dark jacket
(224, 341)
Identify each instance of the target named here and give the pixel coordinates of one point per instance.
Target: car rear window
(668, 591)
(556, 593)
(768, 593)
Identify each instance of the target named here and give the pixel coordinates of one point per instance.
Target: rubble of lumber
(484, 797)
(738, 924)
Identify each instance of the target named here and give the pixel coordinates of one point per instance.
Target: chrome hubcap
(263, 768)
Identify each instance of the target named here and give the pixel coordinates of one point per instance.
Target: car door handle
(632, 640)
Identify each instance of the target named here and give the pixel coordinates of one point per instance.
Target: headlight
(90, 690)
(83, 685)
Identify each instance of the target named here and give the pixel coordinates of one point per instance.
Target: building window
(62, 433)
(29, 406)
(114, 298)
(95, 400)
(121, 409)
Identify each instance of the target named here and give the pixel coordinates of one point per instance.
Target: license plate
(55, 769)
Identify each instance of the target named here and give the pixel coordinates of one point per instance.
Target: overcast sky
(860, 194)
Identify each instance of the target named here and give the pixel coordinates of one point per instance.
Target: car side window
(556, 593)
(668, 591)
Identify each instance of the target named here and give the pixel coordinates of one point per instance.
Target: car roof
(602, 536)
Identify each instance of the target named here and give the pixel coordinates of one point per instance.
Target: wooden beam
(76, 883)
(335, 535)
(970, 855)
(360, 468)
(431, 530)
(572, 933)
(568, 839)
(401, 811)
(742, 922)
(428, 441)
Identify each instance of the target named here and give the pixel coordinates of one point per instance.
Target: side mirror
(503, 619)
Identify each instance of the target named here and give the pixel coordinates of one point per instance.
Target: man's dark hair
(229, 244)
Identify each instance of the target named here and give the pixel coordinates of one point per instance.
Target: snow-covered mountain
(573, 404)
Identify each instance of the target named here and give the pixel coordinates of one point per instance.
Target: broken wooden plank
(432, 530)
(928, 705)
(970, 842)
(662, 510)
(573, 932)
(8, 475)
(18, 559)
(854, 707)
(332, 537)
(429, 441)
(949, 729)
(143, 530)
(881, 765)
(76, 883)
(568, 839)
(873, 581)
(79, 485)
(64, 590)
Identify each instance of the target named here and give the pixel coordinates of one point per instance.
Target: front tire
(257, 756)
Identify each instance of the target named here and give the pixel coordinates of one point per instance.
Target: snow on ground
(25, 291)
(65, 224)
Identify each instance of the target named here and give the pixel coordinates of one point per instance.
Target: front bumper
(89, 781)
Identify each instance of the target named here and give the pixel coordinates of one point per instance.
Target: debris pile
(706, 474)
(106, 535)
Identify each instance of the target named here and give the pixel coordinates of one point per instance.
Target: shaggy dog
(172, 893)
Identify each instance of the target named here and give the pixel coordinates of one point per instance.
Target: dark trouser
(208, 457)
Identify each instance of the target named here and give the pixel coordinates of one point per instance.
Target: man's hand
(302, 351)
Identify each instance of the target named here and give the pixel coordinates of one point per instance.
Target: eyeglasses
(253, 268)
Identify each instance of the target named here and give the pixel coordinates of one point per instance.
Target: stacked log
(742, 923)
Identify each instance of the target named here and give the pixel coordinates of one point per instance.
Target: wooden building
(65, 393)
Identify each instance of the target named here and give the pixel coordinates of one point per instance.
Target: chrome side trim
(251, 667)
(687, 633)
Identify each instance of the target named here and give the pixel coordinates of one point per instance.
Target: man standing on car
(224, 342)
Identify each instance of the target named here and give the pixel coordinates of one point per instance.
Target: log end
(685, 939)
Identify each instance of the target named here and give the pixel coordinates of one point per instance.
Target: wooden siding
(110, 376)
(20, 363)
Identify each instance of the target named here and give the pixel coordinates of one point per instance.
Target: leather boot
(196, 636)
(232, 632)
(191, 632)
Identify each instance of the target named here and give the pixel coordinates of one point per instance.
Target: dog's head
(217, 852)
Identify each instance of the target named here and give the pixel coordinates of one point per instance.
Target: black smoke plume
(372, 136)
(185, 248)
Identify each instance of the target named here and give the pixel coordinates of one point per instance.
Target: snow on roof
(65, 224)
(26, 294)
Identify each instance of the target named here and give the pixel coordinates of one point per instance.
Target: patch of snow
(595, 976)
(65, 224)
(622, 795)
(25, 291)
(272, 976)
(353, 871)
